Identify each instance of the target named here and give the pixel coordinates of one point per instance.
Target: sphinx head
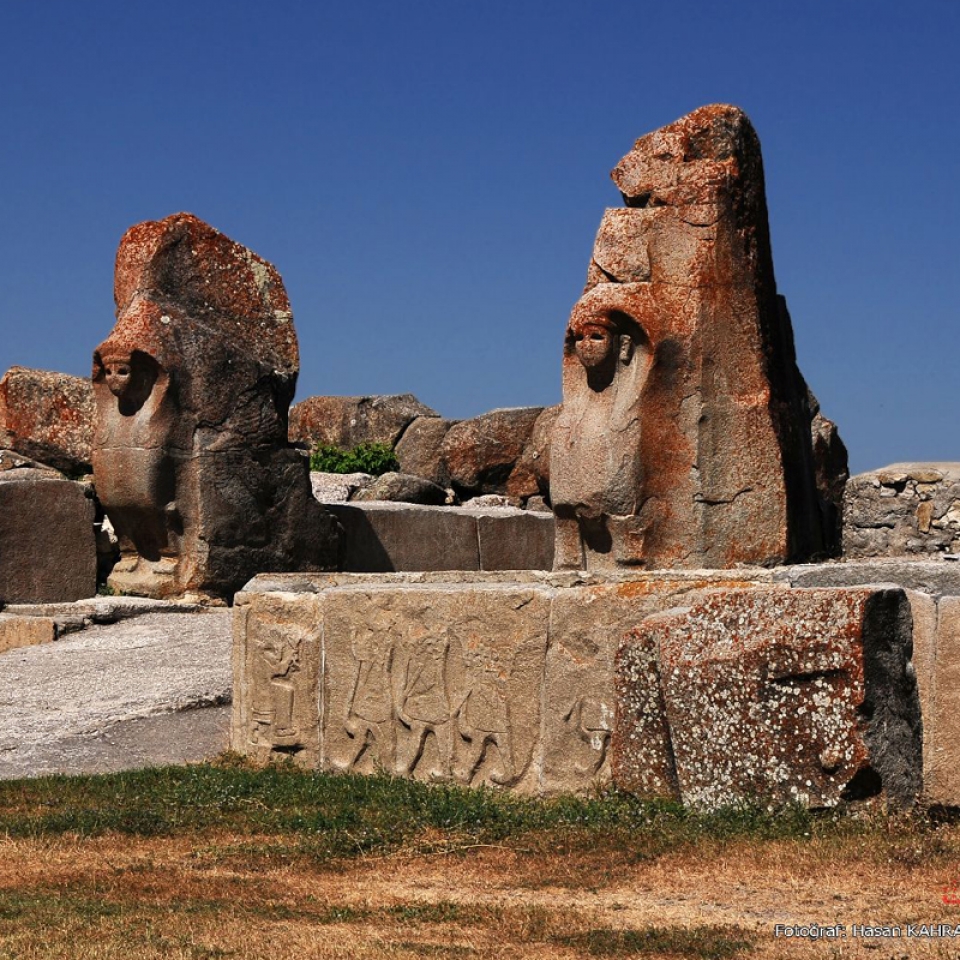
(129, 376)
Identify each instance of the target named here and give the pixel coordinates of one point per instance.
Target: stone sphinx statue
(684, 436)
(594, 476)
(192, 390)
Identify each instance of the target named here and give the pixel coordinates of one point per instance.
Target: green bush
(373, 458)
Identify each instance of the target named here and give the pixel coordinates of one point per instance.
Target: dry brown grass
(221, 894)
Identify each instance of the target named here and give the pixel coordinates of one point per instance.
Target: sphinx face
(117, 373)
(594, 345)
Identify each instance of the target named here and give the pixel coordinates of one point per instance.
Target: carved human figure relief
(276, 661)
(595, 472)
(370, 721)
(136, 475)
(424, 707)
(483, 719)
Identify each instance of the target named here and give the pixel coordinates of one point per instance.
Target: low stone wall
(384, 537)
(907, 509)
(511, 679)
(477, 678)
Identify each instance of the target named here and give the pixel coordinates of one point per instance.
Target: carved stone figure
(684, 437)
(192, 392)
(370, 711)
(276, 660)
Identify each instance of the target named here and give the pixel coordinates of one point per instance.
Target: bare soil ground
(232, 895)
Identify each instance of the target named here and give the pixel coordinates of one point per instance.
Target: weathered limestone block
(587, 623)
(786, 695)
(385, 537)
(906, 509)
(418, 450)
(276, 669)
(192, 390)
(47, 548)
(346, 422)
(439, 683)
(480, 454)
(685, 434)
(47, 416)
(25, 631)
(942, 716)
(504, 679)
(511, 539)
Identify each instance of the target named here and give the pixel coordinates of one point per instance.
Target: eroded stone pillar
(192, 390)
(684, 437)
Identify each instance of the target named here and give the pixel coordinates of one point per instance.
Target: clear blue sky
(428, 177)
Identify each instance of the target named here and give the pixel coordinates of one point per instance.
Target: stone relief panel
(439, 684)
(279, 672)
(587, 625)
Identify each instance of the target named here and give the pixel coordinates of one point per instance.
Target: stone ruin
(667, 651)
(192, 392)
(685, 646)
(684, 437)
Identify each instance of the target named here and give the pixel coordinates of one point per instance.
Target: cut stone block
(515, 540)
(47, 548)
(496, 678)
(276, 665)
(25, 631)
(780, 695)
(942, 716)
(384, 537)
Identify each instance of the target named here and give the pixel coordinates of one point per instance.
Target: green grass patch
(287, 812)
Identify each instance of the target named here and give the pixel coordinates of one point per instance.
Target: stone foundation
(481, 678)
(510, 679)
(395, 537)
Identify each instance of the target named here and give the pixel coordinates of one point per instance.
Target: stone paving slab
(143, 691)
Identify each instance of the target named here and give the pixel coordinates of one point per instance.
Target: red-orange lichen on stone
(688, 442)
(48, 417)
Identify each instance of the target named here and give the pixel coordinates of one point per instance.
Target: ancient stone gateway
(192, 390)
(673, 651)
(684, 437)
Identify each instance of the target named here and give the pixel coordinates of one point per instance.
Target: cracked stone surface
(687, 435)
(145, 691)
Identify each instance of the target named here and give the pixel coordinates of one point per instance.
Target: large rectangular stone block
(587, 623)
(47, 548)
(515, 540)
(25, 631)
(384, 537)
(776, 694)
(942, 716)
(277, 664)
(483, 677)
